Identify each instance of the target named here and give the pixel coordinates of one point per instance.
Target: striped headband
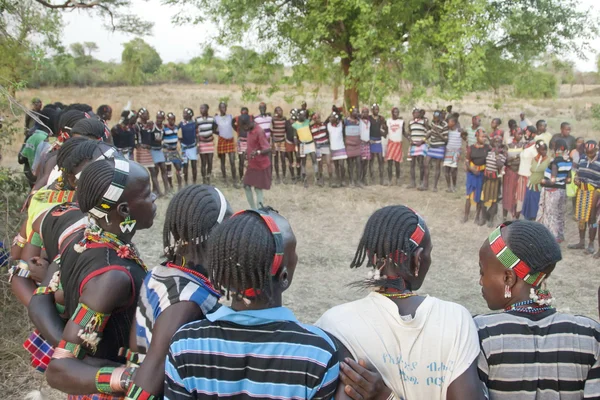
(114, 191)
(223, 208)
(277, 237)
(108, 154)
(511, 261)
(416, 239)
(141, 111)
(591, 145)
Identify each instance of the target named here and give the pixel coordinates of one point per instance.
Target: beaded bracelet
(42, 290)
(72, 348)
(137, 393)
(103, 377)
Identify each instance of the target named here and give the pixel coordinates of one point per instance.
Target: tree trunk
(350, 89)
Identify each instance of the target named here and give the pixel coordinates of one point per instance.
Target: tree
(139, 58)
(90, 47)
(378, 43)
(78, 50)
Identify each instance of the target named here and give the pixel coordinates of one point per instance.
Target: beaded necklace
(95, 237)
(528, 307)
(197, 274)
(398, 295)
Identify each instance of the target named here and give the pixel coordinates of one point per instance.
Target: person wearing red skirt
(258, 174)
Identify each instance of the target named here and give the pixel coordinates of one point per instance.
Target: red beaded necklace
(197, 274)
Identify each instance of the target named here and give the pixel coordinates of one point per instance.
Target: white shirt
(365, 130)
(396, 126)
(336, 136)
(418, 357)
(526, 159)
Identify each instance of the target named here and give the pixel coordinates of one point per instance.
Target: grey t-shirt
(571, 141)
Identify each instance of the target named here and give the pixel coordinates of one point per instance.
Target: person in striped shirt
(417, 128)
(530, 351)
(321, 137)
(206, 129)
(437, 138)
(177, 291)
(172, 155)
(279, 124)
(255, 349)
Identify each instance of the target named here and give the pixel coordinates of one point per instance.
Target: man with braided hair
(102, 284)
(431, 342)
(176, 292)
(256, 348)
(529, 350)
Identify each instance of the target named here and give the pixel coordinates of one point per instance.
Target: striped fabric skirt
(365, 150)
(521, 190)
(144, 157)
(353, 146)
(290, 147)
(553, 207)
(375, 146)
(451, 158)
(339, 154)
(242, 145)
(41, 351)
(157, 156)
(306, 149)
(509, 190)
(207, 147)
(418, 150)
(436, 153)
(226, 146)
(394, 151)
(279, 146)
(584, 204)
(531, 204)
(490, 191)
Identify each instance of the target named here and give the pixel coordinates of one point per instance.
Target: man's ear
(123, 209)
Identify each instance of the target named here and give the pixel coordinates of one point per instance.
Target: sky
(181, 43)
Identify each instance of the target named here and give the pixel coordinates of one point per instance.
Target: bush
(536, 85)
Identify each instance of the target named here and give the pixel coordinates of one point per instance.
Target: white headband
(223, 208)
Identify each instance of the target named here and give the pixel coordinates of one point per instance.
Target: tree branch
(69, 5)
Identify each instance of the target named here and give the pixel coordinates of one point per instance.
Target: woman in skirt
(418, 127)
(321, 138)
(527, 156)
(226, 145)
(394, 149)
(365, 142)
(206, 128)
(475, 165)
(352, 126)
(437, 138)
(453, 149)
(172, 156)
(553, 199)
(511, 176)
(335, 128)
(306, 145)
(143, 155)
(156, 149)
(259, 174)
(291, 149)
(278, 128)
(534, 186)
(490, 192)
(189, 150)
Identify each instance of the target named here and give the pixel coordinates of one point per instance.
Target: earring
(60, 184)
(127, 225)
(416, 272)
(285, 282)
(507, 292)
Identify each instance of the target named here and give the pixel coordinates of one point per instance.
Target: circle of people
(109, 327)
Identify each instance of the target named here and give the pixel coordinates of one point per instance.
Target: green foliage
(14, 189)
(536, 84)
(595, 110)
(138, 60)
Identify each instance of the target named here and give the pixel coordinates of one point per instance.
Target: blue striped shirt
(563, 168)
(170, 138)
(253, 354)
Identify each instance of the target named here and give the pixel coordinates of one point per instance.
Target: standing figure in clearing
(418, 127)
(378, 129)
(394, 151)
(226, 143)
(436, 149)
(278, 127)
(206, 128)
(306, 145)
(156, 148)
(189, 152)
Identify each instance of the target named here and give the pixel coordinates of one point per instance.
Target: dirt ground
(328, 224)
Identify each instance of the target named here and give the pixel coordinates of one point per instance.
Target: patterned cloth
(509, 190)
(307, 148)
(242, 145)
(531, 205)
(365, 150)
(451, 158)
(437, 153)
(290, 147)
(490, 191)
(226, 146)
(41, 351)
(173, 157)
(553, 207)
(96, 396)
(521, 190)
(338, 154)
(475, 184)
(394, 151)
(353, 146)
(584, 203)
(279, 146)
(418, 150)
(207, 147)
(144, 157)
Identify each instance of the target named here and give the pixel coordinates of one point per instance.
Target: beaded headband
(114, 191)
(415, 238)
(591, 145)
(141, 111)
(277, 236)
(510, 259)
(188, 111)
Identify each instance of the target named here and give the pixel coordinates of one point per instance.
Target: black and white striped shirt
(205, 128)
(548, 356)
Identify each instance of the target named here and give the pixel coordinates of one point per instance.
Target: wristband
(75, 349)
(42, 290)
(137, 393)
(103, 380)
(19, 241)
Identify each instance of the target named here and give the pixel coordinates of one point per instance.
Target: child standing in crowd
(378, 130)
(470, 135)
(475, 165)
(365, 142)
(321, 138)
(394, 154)
(587, 180)
(494, 163)
(418, 127)
(511, 175)
(264, 120)
(206, 128)
(123, 134)
(453, 150)
(553, 198)
(437, 138)
(306, 145)
(352, 127)
(534, 185)
(172, 156)
(259, 173)
(158, 156)
(145, 131)
(242, 142)
(527, 156)
(189, 152)
(226, 143)
(512, 128)
(496, 131)
(335, 128)
(291, 148)
(279, 126)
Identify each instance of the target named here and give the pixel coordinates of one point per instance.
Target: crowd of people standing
(110, 327)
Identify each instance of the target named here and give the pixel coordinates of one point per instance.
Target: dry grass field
(329, 222)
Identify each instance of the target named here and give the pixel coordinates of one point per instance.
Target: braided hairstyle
(68, 119)
(86, 108)
(94, 182)
(386, 239)
(240, 253)
(74, 152)
(89, 127)
(533, 243)
(103, 110)
(191, 216)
